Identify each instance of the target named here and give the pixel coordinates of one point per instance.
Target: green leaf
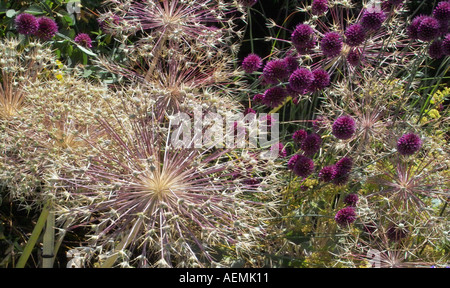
(11, 13)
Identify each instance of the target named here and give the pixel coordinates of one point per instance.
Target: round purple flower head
(327, 173)
(331, 44)
(409, 144)
(354, 57)
(344, 127)
(442, 11)
(396, 232)
(273, 97)
(344, 165)
(258, 98)
(446, 45)
(299, 136)
(251, 63)
(26, 24)
(275, 71)
(248, 111)
(372, 19)
(292, 161)
(321, 80)
(351, 199)
(84, 40)
(304, 166)
(435, 50)
(355, 35)
(47, 28)
(303, 38)
(319, 7)
(291, 63)
(345, 216)
(428, 29)
(300, 79)
(414, 26)
(311, 144)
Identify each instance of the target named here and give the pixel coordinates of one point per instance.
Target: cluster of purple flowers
(44, 28)
(345, 216)
(433, 29)
(338, 173)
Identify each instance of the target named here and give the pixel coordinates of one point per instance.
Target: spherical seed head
(47, 28)
(291, 63)
(251, 63)
(331, 44)
(344, 127)
(351, 199)
(275, 71)
(442, 11)
(354, 57)
(446, 45)
(304, 166)
(299, 136)
(345, 216)
(321, 80)
(327, 173)
(344, 165)
(355, 35)
(300, 79)
(273, 97)
(395, 233)
(435, 50)
(409, 144)
(26, 24)
(372, 19)
(414, 26)
(428, 29)
(84, 40)
(319, 7)
(292, 161)
(311, 144)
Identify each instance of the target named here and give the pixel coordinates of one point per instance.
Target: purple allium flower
(409, 144)
(300, 79)
(292, 161)
(355, 35)
(442, 11)
(321, 80)
(428, 29)
(248, 3)
(47, 28)
(319, 7)
(258, 98)
(327, 173)
(331, 44)
(435, 50)
(396, 233)
(344, 127)
(251, 63)
(248, 111)
(311, 144)
(345, 216)
(26, 24)
(303, 38)
(414, 26)
(275, 71)
(291, 63)
(299, 136)
(372, 19)
(304, 166)
(351, 199)
(344, 165)
(354, 57)
(84, 40)
(282, 151)
(446, 45)
(273, 97)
